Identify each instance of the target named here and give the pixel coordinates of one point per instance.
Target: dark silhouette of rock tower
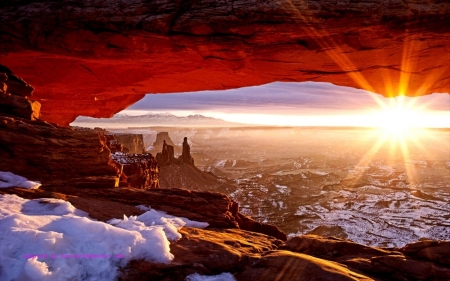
(185, 156)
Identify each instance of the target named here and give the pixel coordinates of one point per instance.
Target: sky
(302, 104)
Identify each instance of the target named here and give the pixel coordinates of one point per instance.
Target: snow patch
(221, 163)
(176, 220)
(8, 179)
(283, 189)
(226, 276)
(49, 239)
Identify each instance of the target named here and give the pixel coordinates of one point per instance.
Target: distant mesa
(162, 137)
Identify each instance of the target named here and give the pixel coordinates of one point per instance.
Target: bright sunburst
(397, 117)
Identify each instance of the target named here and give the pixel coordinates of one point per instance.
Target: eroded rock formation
(167, 155)
(13, 101)
(182, 173)
(134, 143)
(139, 170)
(185, 156)
(95, 58)
(162, 137)
(46, 152)
(54, 155)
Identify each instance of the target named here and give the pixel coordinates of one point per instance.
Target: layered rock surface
(139, 170)
(162, 137)
(134, 143)
(13, 92)
(95, 58)
(54, 155)
(223, 247)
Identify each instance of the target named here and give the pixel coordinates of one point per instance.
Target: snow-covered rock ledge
(49, 239)
(8, 179)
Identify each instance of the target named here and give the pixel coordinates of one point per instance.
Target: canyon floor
(360, 184)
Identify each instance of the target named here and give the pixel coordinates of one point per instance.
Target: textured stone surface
(214, 208)
(223, 247)
(205, 252)
(434, 251)
(12, 96)
(159, 142)
(185, 156)
(167, 155)
(19, 106)
(425, 260)
(53, 155)
(16, 85)
(289, 266)
(139, 170)
(95, 58)
(134, 143)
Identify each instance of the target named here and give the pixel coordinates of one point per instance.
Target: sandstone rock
(12, 102)
(190, 177)
(185, 156)
(322, 247)
(285, 265)
(114, 145)
(109, 53)
(140, 170)
(159, 142)
(374, 262)
(434, 251)
(51, 154)
(214, 208)
(19, 106)
(326, 231)
(136, 170)
(133, 142)
(15, 84)
(167, 155)
(205, 252)
(248, 223)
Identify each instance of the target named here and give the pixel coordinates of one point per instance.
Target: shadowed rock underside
(95, 58)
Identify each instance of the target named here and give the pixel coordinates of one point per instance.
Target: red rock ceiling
(97, 57)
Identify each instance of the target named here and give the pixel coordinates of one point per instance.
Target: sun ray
(332, 49)
(368, 157)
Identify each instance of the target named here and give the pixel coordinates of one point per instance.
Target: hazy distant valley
(373, 187)
(327, 181)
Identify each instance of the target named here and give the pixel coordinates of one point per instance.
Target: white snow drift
(8, 179)
(49, 239)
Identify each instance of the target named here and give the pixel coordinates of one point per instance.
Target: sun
(397, 119)
(401, 114)
(397, 116)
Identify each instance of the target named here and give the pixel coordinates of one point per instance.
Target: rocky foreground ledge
(249, 255)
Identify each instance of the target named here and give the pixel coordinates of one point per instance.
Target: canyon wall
(46, 152)
(134, 143)
(95, 58)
